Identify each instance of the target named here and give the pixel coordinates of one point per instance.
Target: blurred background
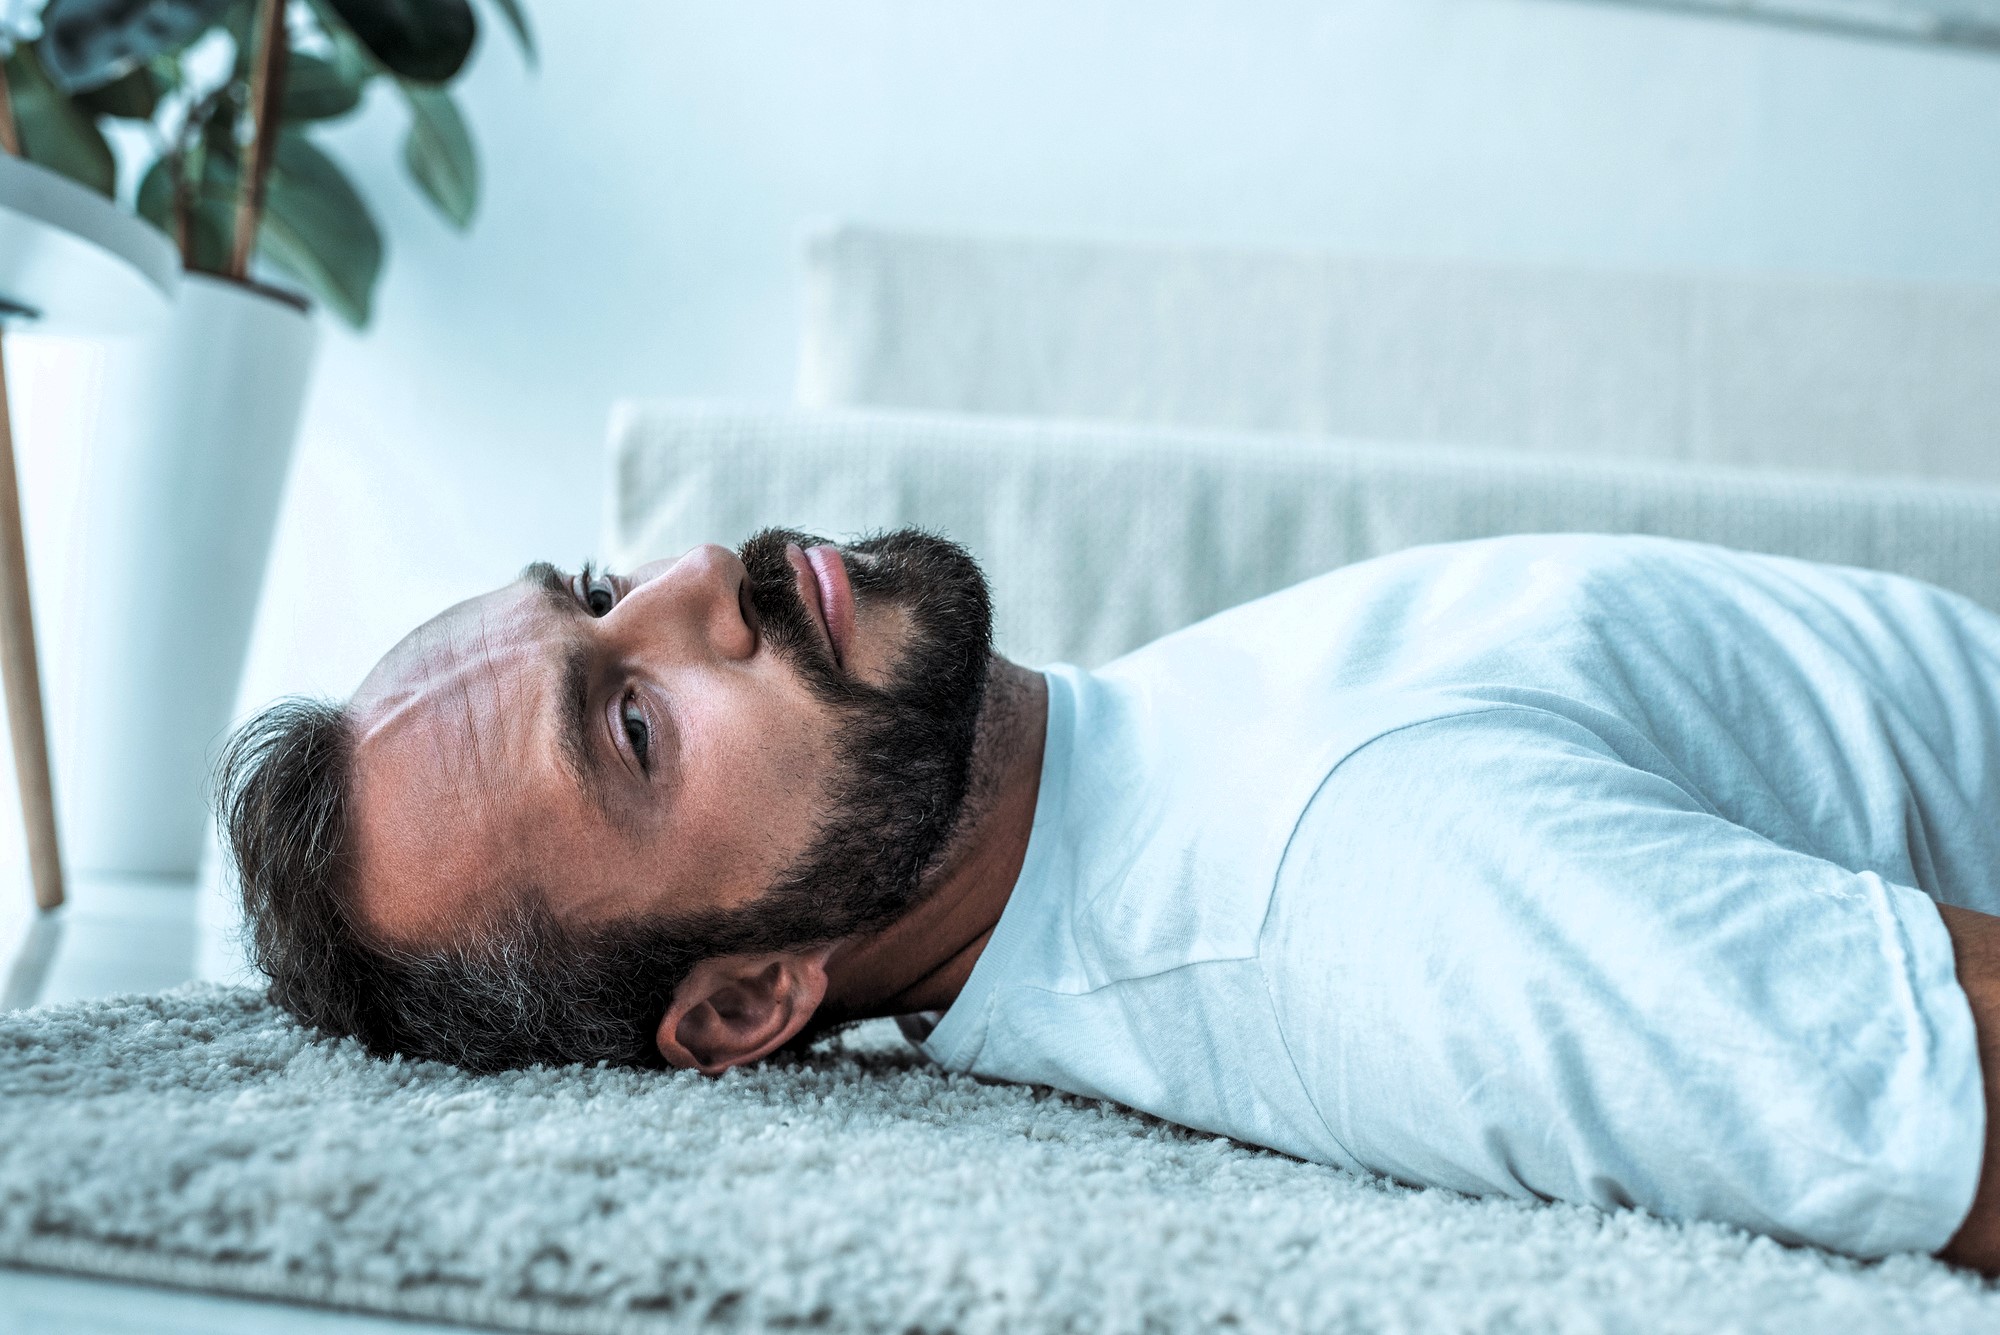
(649, 187)
(650, 184)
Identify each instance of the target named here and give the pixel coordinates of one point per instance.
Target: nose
(696, 602)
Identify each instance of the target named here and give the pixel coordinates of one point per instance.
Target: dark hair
(513, 988)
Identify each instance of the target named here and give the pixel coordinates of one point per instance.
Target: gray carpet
(198, 1138)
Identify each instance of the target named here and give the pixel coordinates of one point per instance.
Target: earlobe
(738, 1009)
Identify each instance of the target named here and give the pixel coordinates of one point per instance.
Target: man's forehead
(448, 727)
(475, 638)
(460, 707)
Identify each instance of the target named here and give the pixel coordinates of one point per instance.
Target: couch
(1099, 537)
(1762, 370)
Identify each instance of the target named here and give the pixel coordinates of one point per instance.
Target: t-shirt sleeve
(1505, 960)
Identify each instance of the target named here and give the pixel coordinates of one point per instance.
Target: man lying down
(1609, 870)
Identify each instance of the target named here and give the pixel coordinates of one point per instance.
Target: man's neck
(922, 960)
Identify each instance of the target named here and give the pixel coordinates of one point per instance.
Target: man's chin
(906, 746)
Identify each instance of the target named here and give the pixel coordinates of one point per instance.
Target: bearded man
(1610, 870)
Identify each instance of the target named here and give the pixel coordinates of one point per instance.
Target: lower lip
(836, 597)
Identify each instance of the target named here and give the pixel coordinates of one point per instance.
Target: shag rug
(199, 1138)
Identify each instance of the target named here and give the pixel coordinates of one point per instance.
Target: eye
(598, 593)
(636, 730)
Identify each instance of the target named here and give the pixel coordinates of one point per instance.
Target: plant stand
(70, 262)
(22, 675)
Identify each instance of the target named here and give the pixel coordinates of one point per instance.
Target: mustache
(782, 616)
(932, 578)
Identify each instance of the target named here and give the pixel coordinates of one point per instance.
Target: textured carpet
(198, 1138)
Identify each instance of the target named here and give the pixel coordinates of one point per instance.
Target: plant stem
(10, 134)
(183, 205)
(267, 88)
(186, 165)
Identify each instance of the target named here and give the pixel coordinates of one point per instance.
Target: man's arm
(1975, 945)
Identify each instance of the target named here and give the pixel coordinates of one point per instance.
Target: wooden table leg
(23, 677)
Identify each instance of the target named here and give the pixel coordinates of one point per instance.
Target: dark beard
(904, 751)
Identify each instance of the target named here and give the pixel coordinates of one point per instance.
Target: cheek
(753, 783)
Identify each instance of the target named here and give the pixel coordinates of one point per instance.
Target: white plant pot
(182, 472)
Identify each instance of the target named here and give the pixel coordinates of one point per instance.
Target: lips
(823, 582)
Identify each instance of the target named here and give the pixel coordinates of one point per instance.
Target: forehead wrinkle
(553, 693)
(408, 699)
(513, 693)
(461, 801)
(463, 664)
(458, 766)
(468, 712)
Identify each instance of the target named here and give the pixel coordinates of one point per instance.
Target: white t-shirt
(1587, 868)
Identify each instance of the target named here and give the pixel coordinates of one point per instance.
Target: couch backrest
(1099, 538)
(1753, 370)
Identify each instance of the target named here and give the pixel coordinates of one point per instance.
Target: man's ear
(737, 1009)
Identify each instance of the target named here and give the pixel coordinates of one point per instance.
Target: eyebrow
(573, 727)
(584, 761)
(552, 584)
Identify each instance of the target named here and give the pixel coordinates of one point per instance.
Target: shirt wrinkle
(1556, 866)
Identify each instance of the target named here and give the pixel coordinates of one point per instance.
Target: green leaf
(156, 196)
(517, 19)
(211, 212)
(424, 40)
(354, 62)
(55, 132)
(439, 154)
(317, 229)
(133, 97)
(167, 73)
(90, 43)
(317, 90)
(315, 226)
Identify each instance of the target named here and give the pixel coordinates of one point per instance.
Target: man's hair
(513, 988)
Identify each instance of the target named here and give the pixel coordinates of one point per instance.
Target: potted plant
(186, 458)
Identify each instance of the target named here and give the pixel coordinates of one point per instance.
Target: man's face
(678, 741)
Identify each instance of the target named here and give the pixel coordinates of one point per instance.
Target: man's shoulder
(1503, 761)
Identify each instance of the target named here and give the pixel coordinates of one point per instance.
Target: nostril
(749, 609)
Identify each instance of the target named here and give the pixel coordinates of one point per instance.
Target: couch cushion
(1791, 372)
(1100, 538)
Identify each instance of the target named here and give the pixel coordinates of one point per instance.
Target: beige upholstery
(1763, 371)
(1099, 538)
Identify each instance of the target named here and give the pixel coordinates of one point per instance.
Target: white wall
(647, 188)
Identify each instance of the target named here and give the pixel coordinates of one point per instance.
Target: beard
(903, 751)
(895, 797)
